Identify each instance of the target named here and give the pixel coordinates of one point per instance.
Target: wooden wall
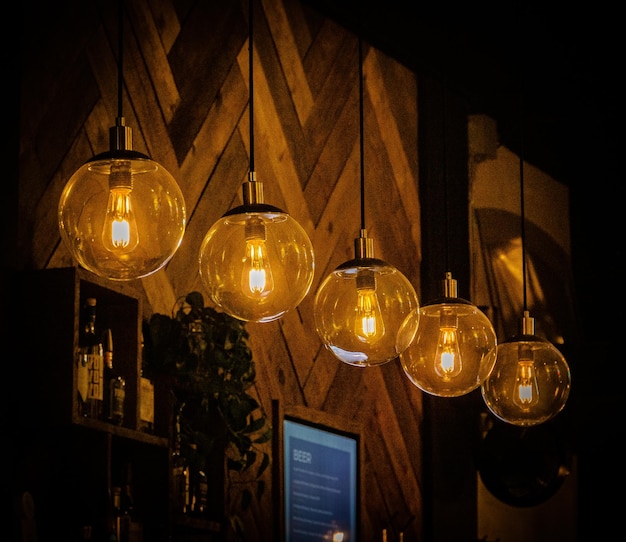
(186, 98)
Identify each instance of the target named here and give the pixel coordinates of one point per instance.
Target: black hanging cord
(521, 167)
(120, 56)
(521, 181)
(361, 133)
(251, 82)
(445, 177)
(523, 228)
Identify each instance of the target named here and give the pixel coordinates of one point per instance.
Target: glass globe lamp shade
(359, 309)
(257, 263)
(122, 215)
(452, 351)
(530, 382)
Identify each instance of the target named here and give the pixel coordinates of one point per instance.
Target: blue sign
(320, 484)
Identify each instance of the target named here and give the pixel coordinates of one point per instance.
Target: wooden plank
(166, 20)
(214, 135)
(211, 37)
(402, 172)
(155, 55)
(339, 86)
(340, 215)
(159, 292)
(289, 59)
(336, 156)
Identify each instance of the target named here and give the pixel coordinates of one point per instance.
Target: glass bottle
(114, 383)
(90, 365)
(130, 524)
(192, 479)
(82, 372)
(180, 472)
(146, 395)
(116, 527)
(202, 487)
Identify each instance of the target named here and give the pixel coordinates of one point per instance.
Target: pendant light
(121, 214)
(451, 353)
(360, 306)
(530, 382)
(256, 261)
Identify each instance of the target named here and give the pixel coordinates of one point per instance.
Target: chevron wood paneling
(186, 90)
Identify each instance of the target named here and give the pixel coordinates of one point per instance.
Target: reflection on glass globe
(360, 308)
(530, 381)
(452, 351)
(122, 215)
(257, 263)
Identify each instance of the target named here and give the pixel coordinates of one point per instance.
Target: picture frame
(317, 475)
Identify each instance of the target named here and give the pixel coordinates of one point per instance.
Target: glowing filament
(119, 233)
(256, 281)
(526, 390)
(448, 363)
(369, 325)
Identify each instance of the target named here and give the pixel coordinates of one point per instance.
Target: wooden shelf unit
(66, 462)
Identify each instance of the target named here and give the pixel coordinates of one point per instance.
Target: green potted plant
(204, 357)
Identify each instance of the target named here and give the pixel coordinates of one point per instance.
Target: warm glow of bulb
(359, 310)
(338, 537)
(450, 347)
(369, 326)
(256, 279)
(122, 216)
(256, 263)
(119, 234)
(448, 362)
(530, 381)
(526, 390)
